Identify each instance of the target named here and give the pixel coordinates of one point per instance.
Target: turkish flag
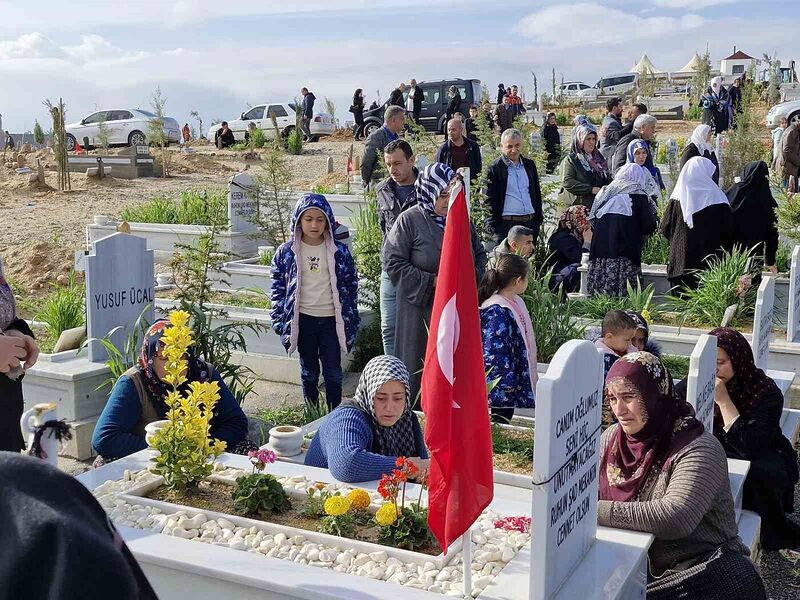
(454, 398)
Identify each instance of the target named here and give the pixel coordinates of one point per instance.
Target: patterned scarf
(8, 311)
(575, 220)
(433, 180)
(397, 440)
(669, 426)
(591, 162)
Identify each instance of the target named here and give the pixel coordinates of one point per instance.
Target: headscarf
(641, 323)
(698, 138)
(752, 194)
(615, 198)
(669, 426)
(716, 85)
(749, 383)
(651, 187)
(575, 220)
(695, 188)
(399, 439)
(431, 182)
(591, 162)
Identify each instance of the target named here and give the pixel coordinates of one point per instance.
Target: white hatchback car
(127, 127)
(322, 124)
(790, 110)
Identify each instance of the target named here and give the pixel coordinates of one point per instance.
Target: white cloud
(32, 45)
(37, 46)
(693, 4)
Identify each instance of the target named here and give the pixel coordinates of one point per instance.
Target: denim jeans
(317, 342)
(388, 313)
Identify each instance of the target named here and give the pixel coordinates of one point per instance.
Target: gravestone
(119, 288)
(701, 380)
(242, 203)
(793, 325)
(565, 461)
(762, 322)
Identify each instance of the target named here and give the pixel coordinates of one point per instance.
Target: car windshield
(147, 113)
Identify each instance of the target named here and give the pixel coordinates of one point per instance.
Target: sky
(219, 58)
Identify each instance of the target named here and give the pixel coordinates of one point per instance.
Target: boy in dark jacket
(617, 330)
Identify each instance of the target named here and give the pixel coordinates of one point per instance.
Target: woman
(621, 218)
(641, 339)
(747, 421)
(638, 151)
(18, 351)
(454, 106)
(362, 438)
(697, 222)
(138, 398)
(552, 142)
(358, 114)
(715, 103)
(661, 473)
(571, 239)
(754, 218)
(700, 145)
(411, 259)
(584, 171)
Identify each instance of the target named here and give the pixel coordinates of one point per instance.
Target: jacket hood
(317, 201)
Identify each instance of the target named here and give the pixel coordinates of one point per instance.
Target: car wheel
(370, 128)
(70, 142)
(137, 138)
(794, 117)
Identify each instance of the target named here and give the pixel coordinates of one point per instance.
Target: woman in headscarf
(638, 152)
(641, 339)
(715, 103)
(585, 170)
(754, 218)
(411, 256)
(697, 222)
(362, 438)
(622, 217)
(661, 473)
(747, 421)
(552, 142)
(138, 398)
(700, 145)
(567, 244)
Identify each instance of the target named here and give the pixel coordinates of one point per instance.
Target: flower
(521, 524)
(261, 458)
(387, 514)
(336, 506)
(401, 460)
(647, 316)
(399, 475)
(359, 499)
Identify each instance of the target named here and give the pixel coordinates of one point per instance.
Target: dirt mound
(12, 181)
(343, 134)
(34, 267)
(185, 164)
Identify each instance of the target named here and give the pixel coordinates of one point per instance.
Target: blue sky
(217, 57)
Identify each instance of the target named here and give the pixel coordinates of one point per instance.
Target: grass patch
(294, 414)
(63, 308)
(678, 366)
(193, 207)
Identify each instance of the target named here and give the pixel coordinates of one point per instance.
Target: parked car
(576, 89)
(434, 104)
(790, 110)
(285, 117)
(126, 127)
(617, 84)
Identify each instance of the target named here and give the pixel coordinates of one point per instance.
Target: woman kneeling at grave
(747, 421)
(362, 438)
(138, 398)
(661, 473)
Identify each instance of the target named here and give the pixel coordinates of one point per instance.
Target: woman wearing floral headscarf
(410, 257)
(639, 152)
(361, 439)
(747, 421)
(138, 398)
(584, 171)
(661, 473)
(567, 244)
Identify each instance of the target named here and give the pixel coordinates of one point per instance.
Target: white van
(617, 84)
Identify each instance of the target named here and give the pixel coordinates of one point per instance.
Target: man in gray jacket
(611, 128)
(393, 121)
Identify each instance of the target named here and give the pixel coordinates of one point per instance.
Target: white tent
(645, 66)
(692, 65)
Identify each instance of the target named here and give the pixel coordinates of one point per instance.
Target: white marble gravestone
(701, 380)
(566, 454)
(242, 203)
(119, 288)
(762, 321)
(793, 325)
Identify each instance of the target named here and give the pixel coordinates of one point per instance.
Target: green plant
(656, 250)
(322, 189)
(561, 119)
(259, 493)
(678, 366)
(367, 253)
(118, 360)
(265, 258)
(695, 113)
(743, 140)
(63, 308)
(293, 414)
(490, 149)
(422, 142)
(273, 183)
(517, 443)
(788, 210)
(338, 519)
(38, 134)
(257, 138)
(637, 299)
(783, 257)
(403, 526)
(102, 135)
(193, 207)
(702, 75)
(294, 141)
(773, 93)
(156, 134)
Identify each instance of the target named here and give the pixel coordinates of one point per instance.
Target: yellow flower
(359, 499)
(179, 318)
(336, 506)
(387, 514)
(647, 316)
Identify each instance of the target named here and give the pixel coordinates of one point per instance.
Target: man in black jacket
(396, 97)
(308, 113)
(513, 195)
(417, 95)
(223, 137)
(633, 112)
(459, 151)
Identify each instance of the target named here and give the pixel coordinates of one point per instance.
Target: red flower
(411, 469)
(399, 475)
(401, 460)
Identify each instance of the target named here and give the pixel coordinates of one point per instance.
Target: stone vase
(286, 440)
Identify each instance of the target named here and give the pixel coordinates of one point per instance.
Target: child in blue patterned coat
(314, 298)
(509, 343)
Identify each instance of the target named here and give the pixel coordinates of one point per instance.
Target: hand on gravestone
(31, 347)
(12, 352)
(771, 269)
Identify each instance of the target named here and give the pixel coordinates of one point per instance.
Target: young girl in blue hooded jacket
(314, 298)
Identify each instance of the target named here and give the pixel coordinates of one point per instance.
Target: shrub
(259, 493)
(293, 414)
(63, 308)
(266, 258)
(695, 113)
(637, 299)
(788, 210)
(561, 119)
(275, 199)
(294, 142)
(367, 253)
(257, 138)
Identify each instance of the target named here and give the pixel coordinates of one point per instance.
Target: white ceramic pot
(101, 220)
(151, 428)
(286, 440)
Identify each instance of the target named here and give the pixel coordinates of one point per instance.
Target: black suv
(434, 104)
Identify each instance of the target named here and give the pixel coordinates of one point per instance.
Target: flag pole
(466, 551)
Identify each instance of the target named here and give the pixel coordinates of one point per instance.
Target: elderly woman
(662, 474)
(567, 244)
(644, 128)
(638, 152)
(748, 423)
(621, 218)
(363, 437)
(411, 259)
(138, 398)
(584, 171)
(700, 145)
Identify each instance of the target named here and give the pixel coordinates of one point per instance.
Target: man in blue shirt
(393, 122)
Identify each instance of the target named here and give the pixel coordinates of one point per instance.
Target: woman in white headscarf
(622, 216)
(715, 104)
(700, 145)
(697, 222)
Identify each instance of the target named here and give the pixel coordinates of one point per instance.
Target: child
(509, 345)
(314, 298)
(641, 339)
(618, 330)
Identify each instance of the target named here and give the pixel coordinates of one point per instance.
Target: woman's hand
(31, 347)
(723, 401)
(721, 395)
(771, 269)
(12, 352)
(422, 464)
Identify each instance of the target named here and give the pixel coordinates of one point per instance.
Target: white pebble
(361, 560)
(297, 540)
(237, 544)
(380, 556)
(225, 524)
(280, 538)
(507, 554)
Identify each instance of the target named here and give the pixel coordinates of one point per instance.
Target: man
(633, 112)
(515, 101)
(395, 193)
(612, 125)
(396, 98)
(735, 94)
(513, 195)
(501, 93)
(458, 151)
(9, 142)
(787, 163)
(224, 136)
(503, 115)
(644, 128)
(414, 101)
(308, 113)
(472, 123)
(520, 240)
(393, 121)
